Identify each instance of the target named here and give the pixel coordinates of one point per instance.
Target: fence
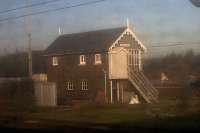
(45, 93)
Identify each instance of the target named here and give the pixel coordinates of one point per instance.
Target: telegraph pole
(27, 23)
(30, 71)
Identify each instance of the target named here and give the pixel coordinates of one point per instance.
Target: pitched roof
(92, 41)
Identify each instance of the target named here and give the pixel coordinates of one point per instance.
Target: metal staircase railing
(143, 85)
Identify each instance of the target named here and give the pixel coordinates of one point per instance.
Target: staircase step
(143, 85)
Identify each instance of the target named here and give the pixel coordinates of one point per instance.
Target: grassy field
(165, 116)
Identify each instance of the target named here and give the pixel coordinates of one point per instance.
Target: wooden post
(105, 88)
(117, 91)
(111, 95)
(122, 88)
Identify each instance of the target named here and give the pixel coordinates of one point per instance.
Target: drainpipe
(105, 85)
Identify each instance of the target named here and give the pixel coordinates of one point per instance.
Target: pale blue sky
(154, 21)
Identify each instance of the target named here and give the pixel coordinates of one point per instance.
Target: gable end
(135, 40)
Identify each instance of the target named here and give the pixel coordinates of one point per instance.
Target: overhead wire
(28, 6)
(158, 44)
(53, 10)
(172, 44)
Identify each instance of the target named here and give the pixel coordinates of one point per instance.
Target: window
(55, 61)
(97, 58)
(84, 85)
(134, 59)
(69, 85)
(82, 59)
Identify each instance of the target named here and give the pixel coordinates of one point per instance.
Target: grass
(166, 115)
(105, 115)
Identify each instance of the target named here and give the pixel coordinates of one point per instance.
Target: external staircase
(143, 85)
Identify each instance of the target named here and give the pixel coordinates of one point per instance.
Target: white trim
(134, 36)
(124, 44)
(118, 50)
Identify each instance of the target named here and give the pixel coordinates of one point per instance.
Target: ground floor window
(69, 85)
(84, 85)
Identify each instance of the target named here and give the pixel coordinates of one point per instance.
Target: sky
(155, 22)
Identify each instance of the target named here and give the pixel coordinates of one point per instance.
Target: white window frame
(98, 59)
(84, 85)
(55, 61)
(134, 59)
(82, 59)
(69, 85)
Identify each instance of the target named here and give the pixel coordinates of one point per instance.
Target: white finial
(59, 31)
(127, 23)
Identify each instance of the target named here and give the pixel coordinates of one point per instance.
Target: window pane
(84, 85)
(54, 61)
(82, 59)
(97, 58)
(69, 85)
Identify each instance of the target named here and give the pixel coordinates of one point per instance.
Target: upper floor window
(82, 59)
(134, 59)
(69, 85)
(55, 61)
(97, 58)
(84, 85)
